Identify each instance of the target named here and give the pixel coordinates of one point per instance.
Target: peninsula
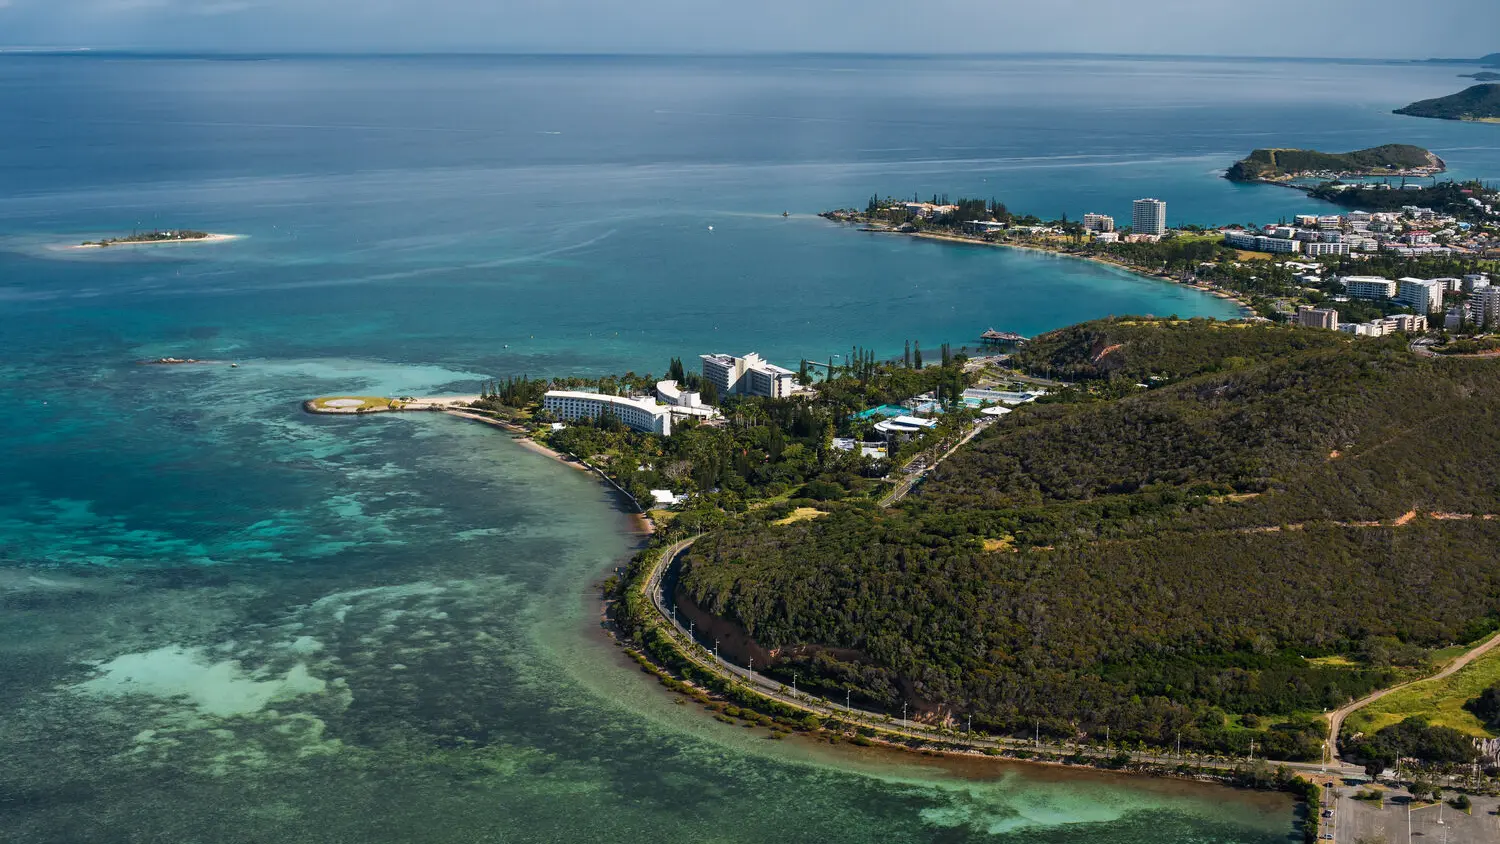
(157, 237)
(1283, 165)
(1480, 104)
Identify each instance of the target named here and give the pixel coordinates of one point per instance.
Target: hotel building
(748, 376)
(639, 414)
(1149, 216)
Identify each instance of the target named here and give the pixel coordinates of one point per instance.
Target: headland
(1278, 166)
(1477, 104)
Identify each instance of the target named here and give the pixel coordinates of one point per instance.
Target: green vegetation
(1486, 707)
(1480, 102)
(151, 237)
(1163, 557)
(1413, 738)
(1445, 197)
(1470, 346)
(366, 404)
(1290, 163)
(1445, 703)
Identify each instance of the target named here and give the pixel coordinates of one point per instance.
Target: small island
(159, 236)
(1284, 165)
(1480, 104)
(1482, 76)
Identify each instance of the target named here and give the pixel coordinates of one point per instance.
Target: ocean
(222, 619)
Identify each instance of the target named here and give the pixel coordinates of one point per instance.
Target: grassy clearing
(1443, 656)
(1440, 701)
(366, 403)
(801, 514)
(1336, 661)
(1005, 543)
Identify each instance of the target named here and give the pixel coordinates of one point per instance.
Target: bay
(222, 619)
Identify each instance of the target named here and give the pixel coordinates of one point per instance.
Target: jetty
(991, 337)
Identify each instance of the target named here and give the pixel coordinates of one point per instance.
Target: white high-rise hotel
(1149, 217)
(749, 375)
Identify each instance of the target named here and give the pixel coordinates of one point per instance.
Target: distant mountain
(1492, 60)
(1289, 163)
(1481, 102)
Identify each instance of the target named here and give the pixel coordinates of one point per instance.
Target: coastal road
(895, 729)
(1336, 718)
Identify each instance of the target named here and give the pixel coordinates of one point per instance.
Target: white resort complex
(640, 414)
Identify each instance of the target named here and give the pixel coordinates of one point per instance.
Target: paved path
(1336, 718)
(897, 729)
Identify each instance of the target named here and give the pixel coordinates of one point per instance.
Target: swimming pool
(887, 410)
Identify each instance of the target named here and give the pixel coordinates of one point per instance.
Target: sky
(1310, 28)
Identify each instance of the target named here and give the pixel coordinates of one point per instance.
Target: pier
(1009, 339)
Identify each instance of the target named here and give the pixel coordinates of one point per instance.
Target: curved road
(1336, 718)
(895, 727)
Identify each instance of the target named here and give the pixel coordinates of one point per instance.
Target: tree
(710, 393)
(917, 356)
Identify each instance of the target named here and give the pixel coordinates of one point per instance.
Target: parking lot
(1397, 820)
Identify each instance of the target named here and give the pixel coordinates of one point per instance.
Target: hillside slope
(1153, 562)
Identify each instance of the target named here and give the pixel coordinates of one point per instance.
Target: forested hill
(1225, 554)
(1480, 102)
(1143, 348)
(1281, 163)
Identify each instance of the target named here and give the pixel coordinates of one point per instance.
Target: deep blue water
(222, 619)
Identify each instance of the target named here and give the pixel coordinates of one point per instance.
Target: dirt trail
(1337, 717)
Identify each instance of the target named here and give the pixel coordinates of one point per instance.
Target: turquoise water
(223, 619)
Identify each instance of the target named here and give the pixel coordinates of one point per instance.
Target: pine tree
(917, 355)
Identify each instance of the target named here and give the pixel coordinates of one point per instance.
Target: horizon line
(25, 49)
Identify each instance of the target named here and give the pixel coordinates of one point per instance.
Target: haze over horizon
(1279, 28)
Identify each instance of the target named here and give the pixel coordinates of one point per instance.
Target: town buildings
(1098, 223)
(1421, 295)
(1318, 317)
(1405, 323)
(1369, 287)
(639, 414)
(1149, 216)
(1484, 307)
(748, 376)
